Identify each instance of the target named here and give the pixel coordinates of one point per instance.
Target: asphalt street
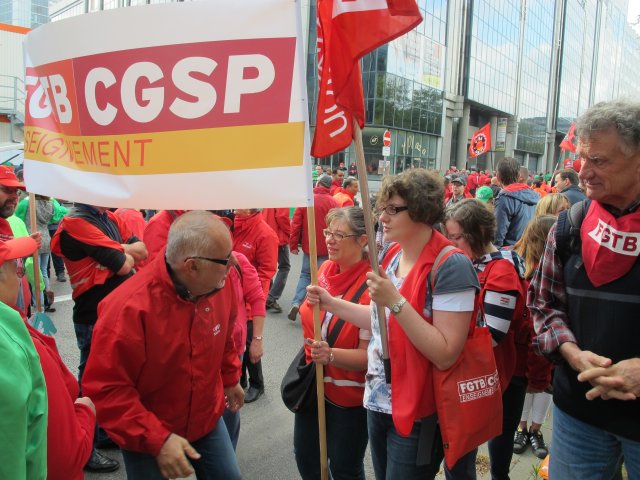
(265, 448)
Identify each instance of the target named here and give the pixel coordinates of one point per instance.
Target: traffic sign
(386, 138)
(386, 151)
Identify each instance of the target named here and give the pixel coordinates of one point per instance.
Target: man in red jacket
(345, 195)
(168, 363)
(323, 202)
(278, 220)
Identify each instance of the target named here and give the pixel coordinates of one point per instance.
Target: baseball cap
(459, 180)
(17, 248)
(8, 178)
(484, 194)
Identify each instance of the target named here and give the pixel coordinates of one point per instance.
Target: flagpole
(368, 223)
(36, 257)
(317, 335)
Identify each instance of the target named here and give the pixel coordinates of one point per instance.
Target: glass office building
(24, 13)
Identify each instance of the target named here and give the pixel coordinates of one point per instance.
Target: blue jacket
(514, 208)
(574, 194)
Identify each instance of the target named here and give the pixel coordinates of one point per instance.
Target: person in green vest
(23, 393)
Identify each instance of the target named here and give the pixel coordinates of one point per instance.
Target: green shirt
(23, 402)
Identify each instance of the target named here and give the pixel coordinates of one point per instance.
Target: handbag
(298, 387)
(468, 395)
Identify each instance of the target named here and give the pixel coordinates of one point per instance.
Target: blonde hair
(552, 203)
(531, 245)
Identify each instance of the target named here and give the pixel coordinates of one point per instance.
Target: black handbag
(298, 387)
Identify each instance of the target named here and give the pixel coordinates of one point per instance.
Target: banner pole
(36, 257)
(317, 335)
(373, 250)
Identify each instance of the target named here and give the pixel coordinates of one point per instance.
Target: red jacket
(336, 185)
(258, 242)
(134, 219)
(160, 362)
(85, 273)
(343, 387)
(248, 290)
(157, 231)
(503, 277)
(278, 220)
(323, 202)
(71, 426)
(344, 198)
(536, 368)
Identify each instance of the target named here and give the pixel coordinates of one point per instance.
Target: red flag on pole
(348, 30)
(481, 141)
(567, 142)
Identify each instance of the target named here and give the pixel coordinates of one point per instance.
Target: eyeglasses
(456, 238)
(19, 269)
(338, 237)
(9, 190)
(219, 261)
(392, 209)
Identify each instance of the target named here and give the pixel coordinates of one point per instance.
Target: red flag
(348, 30)
(481, 141)
(567, 142)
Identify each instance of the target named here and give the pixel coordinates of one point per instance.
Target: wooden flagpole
(317, 334)
(373, 251)
(36, 257)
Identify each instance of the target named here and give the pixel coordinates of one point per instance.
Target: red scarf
(337, 283)
(411, 379)
(610, 245)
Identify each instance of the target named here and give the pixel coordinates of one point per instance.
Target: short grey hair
(190, 236)
(348, 181)
(621, 115)
(354, 217)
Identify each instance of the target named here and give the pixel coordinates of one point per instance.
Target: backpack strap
(568, 240)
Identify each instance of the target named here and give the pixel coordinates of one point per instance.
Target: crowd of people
(169, 317)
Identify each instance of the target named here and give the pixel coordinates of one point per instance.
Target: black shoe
(520, 441)
(252, 394)
(61, 277)
(293, 312)
(275, 307)
(99, 463)
(107, 444)
(538, 446)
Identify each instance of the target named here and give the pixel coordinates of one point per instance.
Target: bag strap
(337, 328)
(436, 264)
(568, 239)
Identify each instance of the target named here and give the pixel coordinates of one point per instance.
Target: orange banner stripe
(185, 151)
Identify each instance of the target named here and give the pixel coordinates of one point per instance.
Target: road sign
(386, 138)
(386, 151)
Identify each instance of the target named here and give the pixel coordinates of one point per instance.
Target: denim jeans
(58, 263)
(580, 450)
(346, 443)
(394, 456)
(43, 263)
(305, 279)
(500, 447)
(232, 422)
(218, 460)
(280, 280)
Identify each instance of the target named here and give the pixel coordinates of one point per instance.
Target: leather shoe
(252, 394)
(99, 463)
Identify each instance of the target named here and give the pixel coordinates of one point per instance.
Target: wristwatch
(397, 307)
(258, 337)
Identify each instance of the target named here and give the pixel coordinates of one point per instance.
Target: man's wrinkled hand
(620, 381)
(235, 397)
(172, 458)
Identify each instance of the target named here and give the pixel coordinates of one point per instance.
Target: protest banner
(177, 106)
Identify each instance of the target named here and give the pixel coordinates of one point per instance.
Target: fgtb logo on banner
(479, 387)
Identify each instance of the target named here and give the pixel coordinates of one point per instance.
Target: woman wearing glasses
(343, 275)
(426, 329)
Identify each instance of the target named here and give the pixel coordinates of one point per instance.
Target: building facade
(24, 13)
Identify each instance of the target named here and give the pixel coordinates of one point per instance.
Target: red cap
(17, 248)
(8, 178)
